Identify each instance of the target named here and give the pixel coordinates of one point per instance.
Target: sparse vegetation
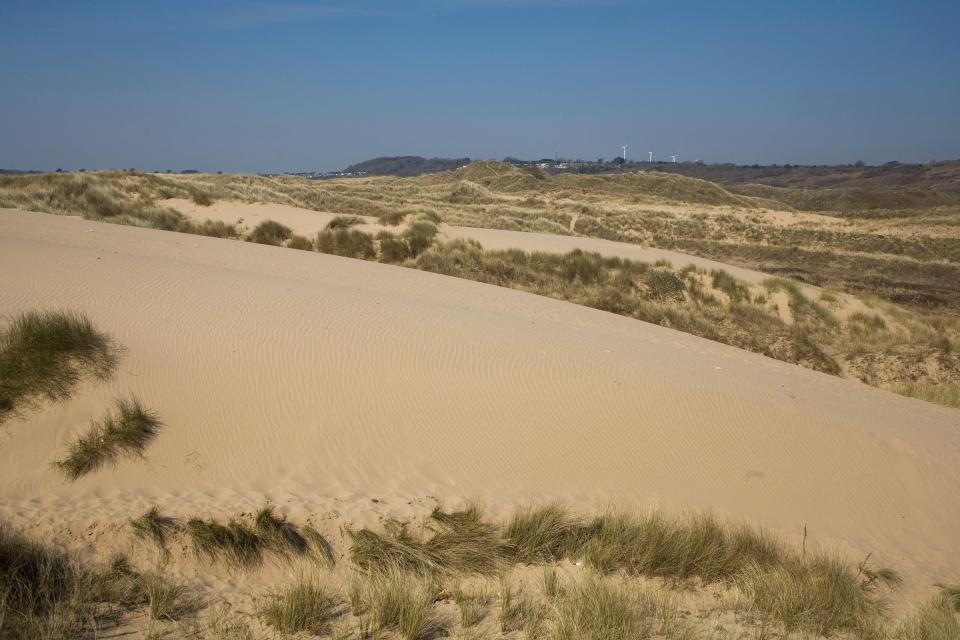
(124, 433)
(278, 535)
(397, 600)
(44, 355)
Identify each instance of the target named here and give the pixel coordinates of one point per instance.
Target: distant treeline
(406, 166)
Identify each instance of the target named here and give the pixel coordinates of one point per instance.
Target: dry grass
(306, 606)
(945, 393)
(154, 526)
(270, 232)
(277, 534)
(44, 355)
(125, 433)
(235, 542)
(397, 600)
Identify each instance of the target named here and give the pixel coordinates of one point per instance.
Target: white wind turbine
(651, 155)
(625, 152)
(673, 158)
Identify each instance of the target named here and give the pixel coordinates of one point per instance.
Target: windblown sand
(354, 389)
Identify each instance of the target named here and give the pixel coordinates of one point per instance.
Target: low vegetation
(270, 232)
(304, 607)
(125, 433)
(45, 355)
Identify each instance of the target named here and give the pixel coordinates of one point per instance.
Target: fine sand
(354, 390)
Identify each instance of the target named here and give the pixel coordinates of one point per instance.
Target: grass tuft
(320, 545)
(270, 232)
(398, 600)
(344, 222)
(154, 526)
(125, 434)
(278, 535)
(44, 355)
(304, 607)
(236, 542)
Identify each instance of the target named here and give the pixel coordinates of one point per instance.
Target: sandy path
(324, 382)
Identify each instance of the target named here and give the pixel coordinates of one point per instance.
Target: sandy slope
(324, 383)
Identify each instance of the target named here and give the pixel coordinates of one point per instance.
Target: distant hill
(406, 166)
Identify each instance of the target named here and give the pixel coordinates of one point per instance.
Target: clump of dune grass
(681, 547)
(820, 594)
(168, 600)
(945, 393)
(306, 606)
(400, 601)
(599, 611)
(344, 222)
(45, 354)
(270, 232)
(464, 542)
(936, 619)
(544, 533)
(125, 433)
(154, 526)
(472, 605)
(951, 594)
(391, 248)
(396, 547)
(235, 542)
(278, 535)
(348, 243)
(392, 218)
(320, 545)
(299, 242)
(419, 236)
(519, 611)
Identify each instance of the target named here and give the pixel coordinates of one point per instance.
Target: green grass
(125, 433)
(321, 545)
(235, 542)
(299, 242)
(154, 526)
(348, 243)
(596, 610)
(544, 533)
(934, 620)
(168, 600)
(400, 601)
(270, 232)
(306, 606)
(278, 535)
(45, 355)
(946, 393)
(821, 594)
(681, 547)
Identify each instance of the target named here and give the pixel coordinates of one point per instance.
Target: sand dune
(307, 223)
(324, 383)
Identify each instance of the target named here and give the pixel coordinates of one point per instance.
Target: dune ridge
(330, 382)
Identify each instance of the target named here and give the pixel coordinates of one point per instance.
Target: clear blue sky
(301, 85)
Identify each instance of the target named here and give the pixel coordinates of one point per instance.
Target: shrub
(305, 606)
(348, 243)
(270, 232)
(125, 434)
(44, 355)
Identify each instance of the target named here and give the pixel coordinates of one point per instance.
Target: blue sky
(298, 85)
